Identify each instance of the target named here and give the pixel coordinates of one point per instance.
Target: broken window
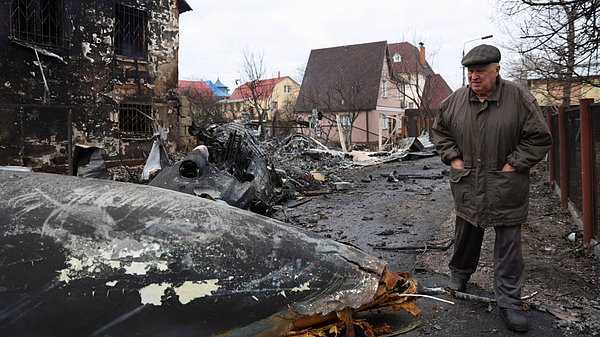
(135, 119)
(38, 21)
(130, 32)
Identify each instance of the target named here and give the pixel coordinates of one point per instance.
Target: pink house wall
(366, 125)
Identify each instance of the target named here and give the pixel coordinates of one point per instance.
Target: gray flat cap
(481, 55)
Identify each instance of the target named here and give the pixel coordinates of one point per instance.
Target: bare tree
(350, 96)
(299, 74)
(337, 98)
(414, 79)
(284, 117)
(558, 40)
(204, 106)
(409, 75)
(322, 107)
(256, 91)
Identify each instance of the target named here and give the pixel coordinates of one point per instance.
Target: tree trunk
(568, 79)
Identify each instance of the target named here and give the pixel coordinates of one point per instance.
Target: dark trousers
(508, 259)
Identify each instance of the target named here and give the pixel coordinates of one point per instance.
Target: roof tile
(343, 78)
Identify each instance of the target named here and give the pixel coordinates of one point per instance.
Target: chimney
(278, 74)
(422, 53)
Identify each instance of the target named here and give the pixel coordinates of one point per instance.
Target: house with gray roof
(364, 90)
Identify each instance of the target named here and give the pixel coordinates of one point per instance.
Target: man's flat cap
(481, 55)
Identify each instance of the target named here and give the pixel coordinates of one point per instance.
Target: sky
(215, 34)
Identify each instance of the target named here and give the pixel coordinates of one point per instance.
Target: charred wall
(104, 74)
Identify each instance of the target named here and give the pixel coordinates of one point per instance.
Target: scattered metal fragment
(463, 296)
(87, 257)
(435, 246)
(16, 168)
(408, 328)
(39, 50)
(158, 159)
(88, 162)
(342, 185)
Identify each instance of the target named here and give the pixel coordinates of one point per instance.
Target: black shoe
(457, 284)
(515, 320)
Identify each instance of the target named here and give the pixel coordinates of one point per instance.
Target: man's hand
(457, 164)
(508, 168)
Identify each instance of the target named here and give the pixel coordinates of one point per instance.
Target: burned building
(100, 73)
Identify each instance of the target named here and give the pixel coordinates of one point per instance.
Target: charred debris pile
(233, 166)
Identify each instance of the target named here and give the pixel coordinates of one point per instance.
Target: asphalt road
(377, 212)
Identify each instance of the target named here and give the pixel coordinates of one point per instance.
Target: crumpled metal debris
(85, 257)
(158, 159)
(88, 162)
(195, 175)
(230, 167)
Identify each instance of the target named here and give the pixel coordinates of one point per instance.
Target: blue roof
(218, 88)
(219, 84)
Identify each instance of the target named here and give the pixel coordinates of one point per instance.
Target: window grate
(130, 32)
(38, 21)
(135, 119)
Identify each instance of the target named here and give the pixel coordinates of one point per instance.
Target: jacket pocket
(459, 185)
(508, 194)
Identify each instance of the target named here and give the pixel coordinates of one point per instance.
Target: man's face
(482, 79)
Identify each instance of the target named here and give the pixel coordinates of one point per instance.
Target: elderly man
(491, 133)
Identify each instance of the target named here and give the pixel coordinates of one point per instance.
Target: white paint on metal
(303, 287)
(191, 290)
(152, 293)
(137, 268)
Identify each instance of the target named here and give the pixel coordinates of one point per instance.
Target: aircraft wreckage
(87, 257)
(238, 172)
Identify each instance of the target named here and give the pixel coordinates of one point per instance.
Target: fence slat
(562, 139)
(587, 208)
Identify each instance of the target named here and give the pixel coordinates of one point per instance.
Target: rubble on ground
(258, 175)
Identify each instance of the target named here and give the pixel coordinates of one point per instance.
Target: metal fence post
(562, 149)
(550, 162)
(586, 169)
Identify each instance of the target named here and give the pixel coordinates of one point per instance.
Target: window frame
(135, 124)
(133, 43)
(43, 23)
(384, 122)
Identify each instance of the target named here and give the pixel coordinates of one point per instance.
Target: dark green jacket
(506, 128)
